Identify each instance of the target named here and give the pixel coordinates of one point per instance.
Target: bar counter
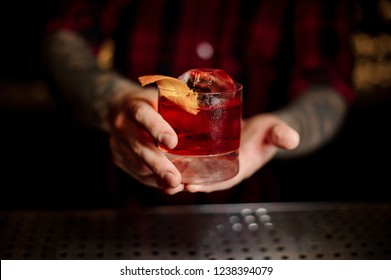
(223, 231)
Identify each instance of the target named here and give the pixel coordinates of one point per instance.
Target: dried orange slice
(174, 90)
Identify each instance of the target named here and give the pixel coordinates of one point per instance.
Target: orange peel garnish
(174, 90)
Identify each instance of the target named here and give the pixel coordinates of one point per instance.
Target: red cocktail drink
(208, 137)
(213, 130)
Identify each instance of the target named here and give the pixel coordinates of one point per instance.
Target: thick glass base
(206, 169)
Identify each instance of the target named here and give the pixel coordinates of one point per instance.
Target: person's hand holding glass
(198, 132)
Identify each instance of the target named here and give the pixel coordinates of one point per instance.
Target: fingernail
(168, 140)
(171, 179)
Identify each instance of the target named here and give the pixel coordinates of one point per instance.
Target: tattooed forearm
(317, 115)
(89, 90)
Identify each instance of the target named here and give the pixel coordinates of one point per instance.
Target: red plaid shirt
(275, 48)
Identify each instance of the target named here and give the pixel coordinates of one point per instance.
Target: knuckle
(144, 116)
(136, 148)
(155, 166)
(137, 111)
(118, 122)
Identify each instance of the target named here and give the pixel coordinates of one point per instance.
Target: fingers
(261, 136)
(135, 131)
(140, 127)
(152, 122)
(169, 190)
(283, 136)
(141, 158)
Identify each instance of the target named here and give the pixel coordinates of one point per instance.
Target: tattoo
(317, 115)
(89, 90)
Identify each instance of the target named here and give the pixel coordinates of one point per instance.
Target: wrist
(316, 115)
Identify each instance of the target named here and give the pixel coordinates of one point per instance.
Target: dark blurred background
(47, 160)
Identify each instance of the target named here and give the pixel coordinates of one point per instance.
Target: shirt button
(205, 50)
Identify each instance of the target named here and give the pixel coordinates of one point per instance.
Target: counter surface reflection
(239, 231)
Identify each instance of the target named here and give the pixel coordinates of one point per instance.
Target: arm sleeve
(323, 53)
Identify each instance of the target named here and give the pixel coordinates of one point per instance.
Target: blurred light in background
(106, 55)
(371, 43)
(384, 7)
(373, 61)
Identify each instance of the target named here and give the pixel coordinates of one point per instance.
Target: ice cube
(210, 100)
(208, 80)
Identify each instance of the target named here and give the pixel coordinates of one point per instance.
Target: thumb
(283, 136)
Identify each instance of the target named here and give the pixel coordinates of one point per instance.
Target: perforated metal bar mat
(242, 231)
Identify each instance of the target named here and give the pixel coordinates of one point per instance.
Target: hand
(262, 136)
(136, 127)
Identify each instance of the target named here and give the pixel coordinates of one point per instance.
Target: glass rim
(238, 87)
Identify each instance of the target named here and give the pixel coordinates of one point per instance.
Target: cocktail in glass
(208, 137)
